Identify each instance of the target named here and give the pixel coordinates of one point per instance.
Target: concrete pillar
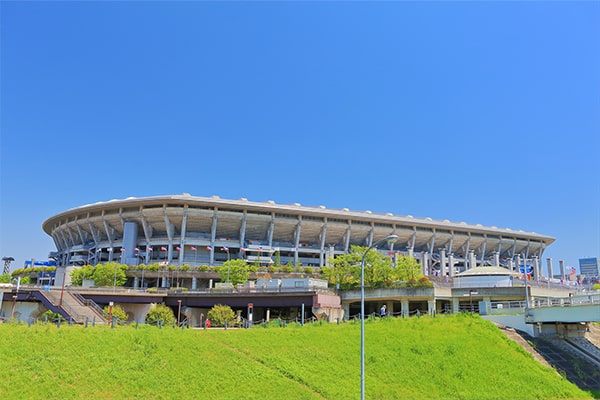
(268, 318)
(346, 307)
(431, 307)
(536, 268)
(455, 307)
(136, 282)
(443, 269)
(561, 263)
(390, 307)
(404, 307)
(424, 266)
(194, 283)
(451, 265)
(472, 260)
(210, 283)
(496, 259)
(549, 261)
(411, 252)
(165, 282)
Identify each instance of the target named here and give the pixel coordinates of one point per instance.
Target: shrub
(160, 312)
(220, 314)
(117, 312)
(308, 270)
(5, 278)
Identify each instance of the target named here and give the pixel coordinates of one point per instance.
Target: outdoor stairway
(74, 306)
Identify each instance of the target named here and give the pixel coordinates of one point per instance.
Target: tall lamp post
(389, 239)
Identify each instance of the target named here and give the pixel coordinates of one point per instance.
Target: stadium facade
(186, 229)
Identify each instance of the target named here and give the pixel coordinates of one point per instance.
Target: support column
(389, 305)
(136, 282)
(194, 283)
(346, 308)
(443, 269)
(549, 261)
(536, 267)
(451, 264)
(424, 266)
(431, 307)
(472, 260)
(561, 263)
(496, 259)
(404, 308)
(455, 306)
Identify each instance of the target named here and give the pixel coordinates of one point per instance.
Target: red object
(208, 323)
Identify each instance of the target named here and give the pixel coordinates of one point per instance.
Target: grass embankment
(451, 357)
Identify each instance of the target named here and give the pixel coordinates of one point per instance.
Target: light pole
(390, 239)
(178, 311)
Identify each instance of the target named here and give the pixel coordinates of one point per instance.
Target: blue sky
(483, 112)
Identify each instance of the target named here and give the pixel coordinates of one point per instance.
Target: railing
(88, 302)
(61, 305)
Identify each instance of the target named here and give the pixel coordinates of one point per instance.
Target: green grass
(451, 357)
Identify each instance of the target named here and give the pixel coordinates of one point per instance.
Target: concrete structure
(185, 229)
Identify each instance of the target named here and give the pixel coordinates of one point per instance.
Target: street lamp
(178, 311)
(389, 239)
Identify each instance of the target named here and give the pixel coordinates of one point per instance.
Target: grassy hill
(449, 357)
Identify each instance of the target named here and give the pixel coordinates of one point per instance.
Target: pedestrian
(382, 312)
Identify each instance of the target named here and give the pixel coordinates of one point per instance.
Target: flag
(225, 248)
(177, 248)
(194, 248)
(208, 248)
(163, 248)
(148, 248)
(136, 249)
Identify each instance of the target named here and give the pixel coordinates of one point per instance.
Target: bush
(308, 270)
(160, 312)
(117, 312)
(220, 314)
(5, 278)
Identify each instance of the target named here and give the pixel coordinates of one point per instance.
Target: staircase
(73, 306)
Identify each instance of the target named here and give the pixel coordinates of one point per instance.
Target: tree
(234, 271)
(106, 274)
(117, 312)
(78, 275)
(345, 269)
(277, 261)
(407, 269)
(160, 312)
(220, 314)
(6, 278)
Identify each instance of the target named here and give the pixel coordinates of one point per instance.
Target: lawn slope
(451, 357)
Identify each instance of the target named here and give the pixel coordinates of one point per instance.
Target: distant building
(589, 267)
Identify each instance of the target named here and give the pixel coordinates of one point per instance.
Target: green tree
(108, 273)
(78, 275)
(220, 314)
(117, 312)
(345, 269)
(407, 269)
(277, 262)
(160, 312)
(6, 278)
(234, 271)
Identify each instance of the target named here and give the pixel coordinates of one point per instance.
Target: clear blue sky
(483, 112)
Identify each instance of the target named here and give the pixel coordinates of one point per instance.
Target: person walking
(382, 312)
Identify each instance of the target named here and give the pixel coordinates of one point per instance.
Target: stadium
(185, 229)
